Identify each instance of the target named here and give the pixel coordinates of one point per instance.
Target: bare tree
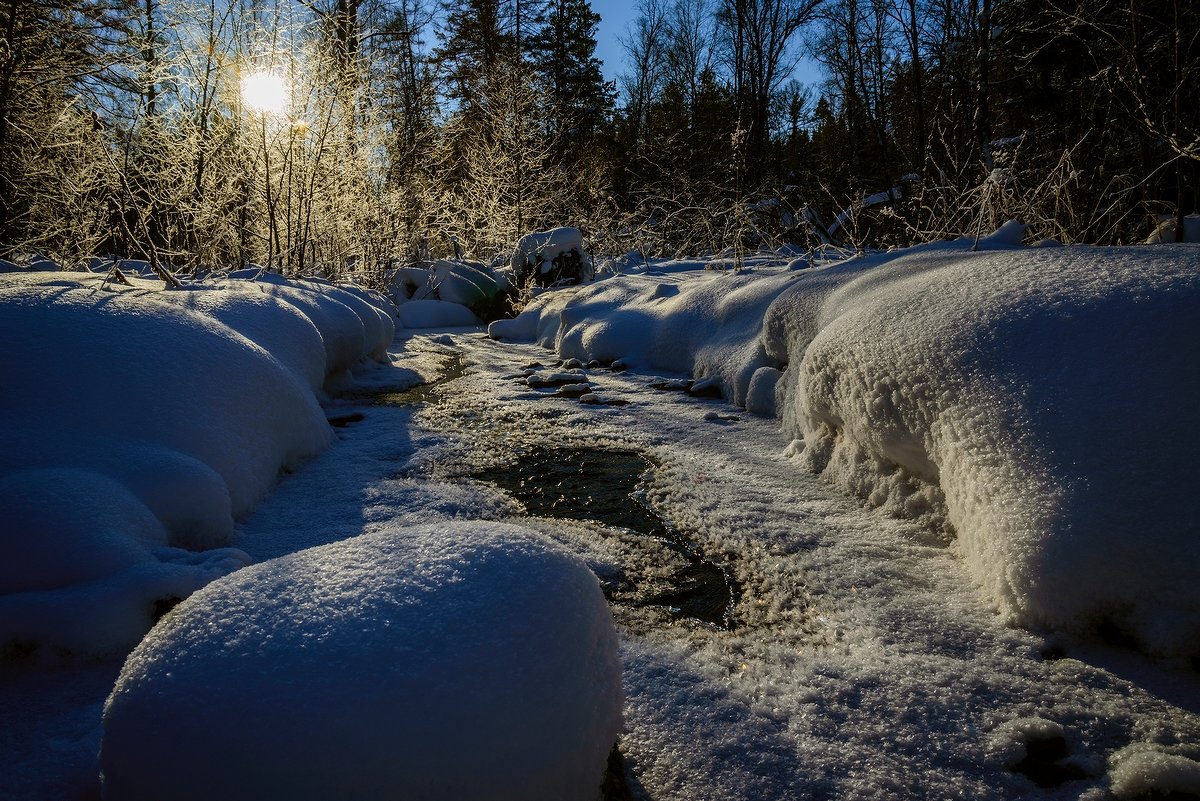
(761, 35)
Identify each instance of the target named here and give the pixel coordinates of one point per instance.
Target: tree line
(409, 130)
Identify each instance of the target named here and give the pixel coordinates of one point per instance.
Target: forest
(326, 136)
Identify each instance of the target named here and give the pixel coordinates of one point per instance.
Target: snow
(449, 661)
(142, 418)
(1141, 771)
(1017, 414)
(989, 393)
(1165, 231)
(967, 389)
(465, 283)
(435, 314)
(536, 252)
(543, 247)
(1007, 744)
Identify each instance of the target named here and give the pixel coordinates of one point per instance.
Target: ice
(449, 661)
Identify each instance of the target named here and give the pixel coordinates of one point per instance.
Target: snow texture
(143, 421)
(1143, 771)
(435, 314)
(465, 283)
(448, 661)
(1029, 401)
(1007, 744)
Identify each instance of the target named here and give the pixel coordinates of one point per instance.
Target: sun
(265, 92)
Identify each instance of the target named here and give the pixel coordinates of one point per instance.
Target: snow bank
(142, 421)
(1030, 401)
(351, 328)
(450, 661)
(1034, 402)
(709, 326)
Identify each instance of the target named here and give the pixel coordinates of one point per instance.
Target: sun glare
(265, 92)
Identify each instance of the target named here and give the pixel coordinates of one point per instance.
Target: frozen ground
(863, 662)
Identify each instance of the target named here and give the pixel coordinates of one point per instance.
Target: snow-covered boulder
(465, 283)
(474, 286)
(549, 258)
(449, 661)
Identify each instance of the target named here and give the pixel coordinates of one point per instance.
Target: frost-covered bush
(464, 660)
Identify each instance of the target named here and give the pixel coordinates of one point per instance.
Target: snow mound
(1165, 231)
(435, 314)
(1031, 400)
(449, 661)
(1008, 744)
(465, 283)
(549, 258)
(142, 418)
(1143, 771)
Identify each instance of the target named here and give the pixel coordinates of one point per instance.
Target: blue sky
(615, 18)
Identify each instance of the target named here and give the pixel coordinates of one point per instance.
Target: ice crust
(448, 661)
(1034, 403)
(144, 420)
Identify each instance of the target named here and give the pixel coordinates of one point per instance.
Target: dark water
(603, 486)
(454, 367)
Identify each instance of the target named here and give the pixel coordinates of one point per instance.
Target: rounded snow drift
(447, 661)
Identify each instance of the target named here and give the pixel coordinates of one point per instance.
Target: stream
(666, 571)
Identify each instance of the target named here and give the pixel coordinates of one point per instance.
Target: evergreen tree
(563, 54)
(477, 43)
